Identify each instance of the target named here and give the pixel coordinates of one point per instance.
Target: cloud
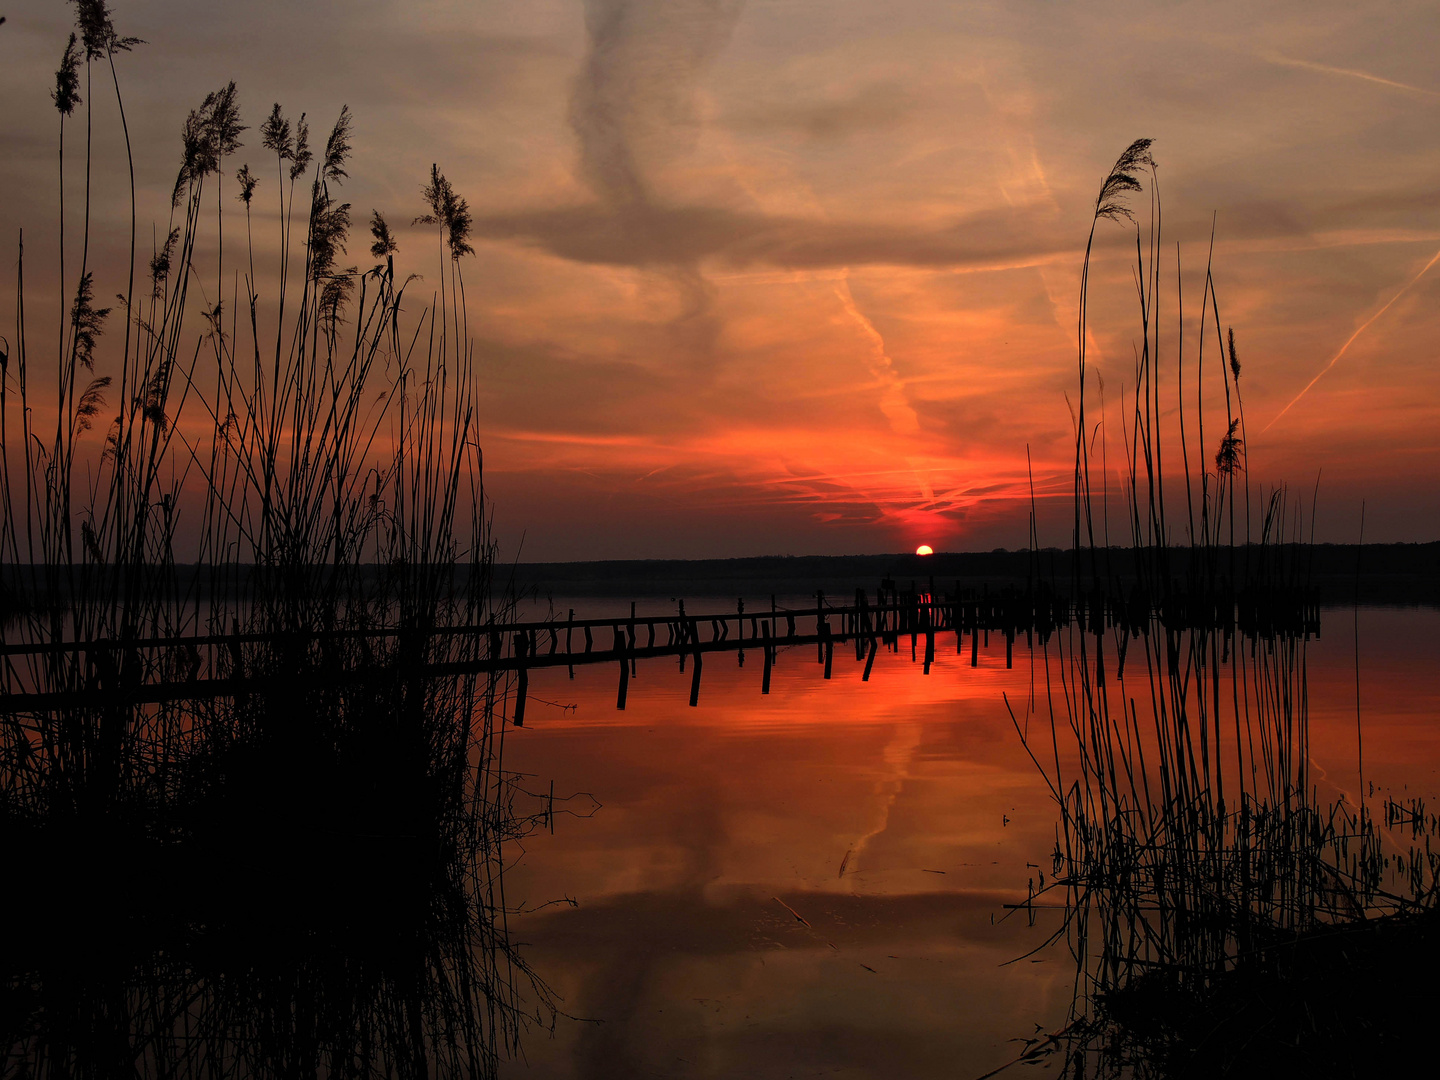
(634, 110)
(634, 102)
(877, 106)
(737, 237)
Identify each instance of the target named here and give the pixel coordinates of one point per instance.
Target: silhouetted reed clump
(1224, 919)
(301, 875)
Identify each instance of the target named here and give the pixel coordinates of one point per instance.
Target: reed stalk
(318, 511)
(1192, 844)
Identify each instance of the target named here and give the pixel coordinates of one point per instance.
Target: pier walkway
(40, 677)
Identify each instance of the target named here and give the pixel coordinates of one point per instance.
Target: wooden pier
(141, 671)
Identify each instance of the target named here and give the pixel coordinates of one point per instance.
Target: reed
(285, 482)
(1193, 851)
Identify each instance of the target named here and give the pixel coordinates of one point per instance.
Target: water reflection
(725, 825)
(310, 886)
(1213, 936)
(813, 882)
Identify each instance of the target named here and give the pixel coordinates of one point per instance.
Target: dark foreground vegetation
(1224, 919)
(302, 879)
(1351, 999)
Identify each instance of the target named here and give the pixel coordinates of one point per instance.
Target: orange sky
(801, 277)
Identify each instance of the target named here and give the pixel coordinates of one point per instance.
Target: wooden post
(630, 632)
(624, 670)
(769, 659)
(523, 686)
(870, 658)
(862, 624)
(569, 647)
(695, 678)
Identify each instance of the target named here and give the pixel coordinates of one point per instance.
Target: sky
(797, 277)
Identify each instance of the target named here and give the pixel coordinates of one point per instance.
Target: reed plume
(307, 524)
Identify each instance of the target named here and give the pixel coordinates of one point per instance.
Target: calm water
(896, 818)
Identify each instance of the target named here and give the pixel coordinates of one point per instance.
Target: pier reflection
(805, 882)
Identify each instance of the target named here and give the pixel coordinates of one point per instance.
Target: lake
(814, 882)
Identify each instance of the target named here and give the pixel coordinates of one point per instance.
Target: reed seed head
(210, 132)
(329, 231)
(275, 134)
(248, 182)
(66, 94)
(448, 210)
(384, 245)
(90, 403)
(301, 154)
(1230, 457)
(337, 148)
(160, 262)
(1109, 203)
(87, 321)
(97, 30)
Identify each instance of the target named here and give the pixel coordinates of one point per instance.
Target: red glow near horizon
(787, 343)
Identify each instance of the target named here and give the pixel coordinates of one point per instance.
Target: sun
(924, 549)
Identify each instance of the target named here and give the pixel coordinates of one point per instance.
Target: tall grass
(296, 477)
(1192, 841)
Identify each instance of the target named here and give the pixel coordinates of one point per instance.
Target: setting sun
(924, 549)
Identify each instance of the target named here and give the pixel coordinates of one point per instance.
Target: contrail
(1353, 73)
(893, 403)
(1350, 340)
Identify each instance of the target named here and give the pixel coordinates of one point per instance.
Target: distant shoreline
(1404, 574)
